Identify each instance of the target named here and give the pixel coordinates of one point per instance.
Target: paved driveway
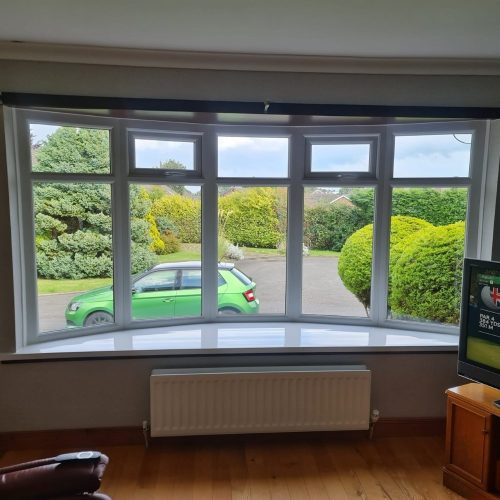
(323, 291)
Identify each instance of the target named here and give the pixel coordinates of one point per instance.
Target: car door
(188, 299)
(153, 295)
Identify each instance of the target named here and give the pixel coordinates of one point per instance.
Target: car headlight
(74, 306)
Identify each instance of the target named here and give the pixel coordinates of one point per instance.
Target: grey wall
(84, 394)
(77, 394)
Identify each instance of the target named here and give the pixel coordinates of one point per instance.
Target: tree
(73, 220)
(172, 164)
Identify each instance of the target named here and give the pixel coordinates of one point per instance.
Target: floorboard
(285, 467)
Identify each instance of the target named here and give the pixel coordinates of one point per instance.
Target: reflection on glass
(73, 254)
(340, 157)
(164, 154)
(252, 249)
(165, 251)
(337, 254)
(426, 253)
(69, 150)
(443, 155)
(252, 156)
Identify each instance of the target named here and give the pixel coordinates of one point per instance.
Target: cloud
(226, 143)
(155, 145)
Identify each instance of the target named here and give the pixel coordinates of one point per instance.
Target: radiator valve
(375, 416)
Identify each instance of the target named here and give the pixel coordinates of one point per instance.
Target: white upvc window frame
(122, 132)
(372, 140)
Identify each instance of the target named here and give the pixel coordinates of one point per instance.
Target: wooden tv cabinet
(473, 442)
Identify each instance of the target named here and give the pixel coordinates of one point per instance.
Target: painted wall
(77, 394)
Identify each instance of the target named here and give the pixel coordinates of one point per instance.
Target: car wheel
(228, 310)
(98, 318)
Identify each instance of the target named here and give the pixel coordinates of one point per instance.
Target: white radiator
(259, 399)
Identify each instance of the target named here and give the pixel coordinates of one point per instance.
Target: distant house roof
(342, 199)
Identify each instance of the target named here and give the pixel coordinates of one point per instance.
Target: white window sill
(238, 338)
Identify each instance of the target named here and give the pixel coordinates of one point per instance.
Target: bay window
(124, 223)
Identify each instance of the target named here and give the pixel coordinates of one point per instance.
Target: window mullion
(26, 219)
(381, 229)
(121, 226)
(209, 226)
(295, 220)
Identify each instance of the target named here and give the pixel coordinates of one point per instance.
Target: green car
(167, 291)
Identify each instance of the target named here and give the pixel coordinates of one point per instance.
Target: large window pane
(252, 249)
(73, 254)
(166, 154)
(340, 157)
(165, 222)
(69, 150)
(252, 156)
(426, 254)
(443, 155)
(338, 241)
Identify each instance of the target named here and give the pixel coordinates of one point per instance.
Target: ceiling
(354, 28)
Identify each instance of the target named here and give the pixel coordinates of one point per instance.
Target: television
(479, 346)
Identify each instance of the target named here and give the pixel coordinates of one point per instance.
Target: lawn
(189, 251)
(67, 286)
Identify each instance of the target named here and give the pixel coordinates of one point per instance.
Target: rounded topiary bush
(427, 277)
(355, 261)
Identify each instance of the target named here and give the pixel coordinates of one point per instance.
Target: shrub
(171, 243)
(141, 258)
(252, 217)
(426, 279)
(233, 252)
(355, 261)
(183, 213)
(327, 227)
(157, 244)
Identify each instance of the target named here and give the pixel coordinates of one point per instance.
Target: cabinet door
(468, 442)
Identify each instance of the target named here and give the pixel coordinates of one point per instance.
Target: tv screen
(479, 348)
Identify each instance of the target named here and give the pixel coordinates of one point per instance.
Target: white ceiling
(366, 28)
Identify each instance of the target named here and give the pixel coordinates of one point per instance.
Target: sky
(443, 155)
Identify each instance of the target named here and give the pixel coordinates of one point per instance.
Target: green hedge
(252, 217)
(437, 206)
(426, 279)
(327, 227)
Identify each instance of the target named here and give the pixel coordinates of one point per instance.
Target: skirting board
(116, 436)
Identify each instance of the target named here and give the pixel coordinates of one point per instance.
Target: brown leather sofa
(63, 478)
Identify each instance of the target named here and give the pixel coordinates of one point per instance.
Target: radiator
(259, 399)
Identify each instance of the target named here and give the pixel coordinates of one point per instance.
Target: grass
(67, 286)
(189, 251)
(483, 351)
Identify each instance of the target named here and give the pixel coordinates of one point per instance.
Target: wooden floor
(271, 467)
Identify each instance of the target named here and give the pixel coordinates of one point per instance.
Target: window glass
(337, 251)
(252, 156)
(440, 155)
(190, 279)
(426, 254)
(69, 150)
(165, 227)
(252, 249)
(164, 154)
(340, 157)
(74, 255)
(156, 281)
